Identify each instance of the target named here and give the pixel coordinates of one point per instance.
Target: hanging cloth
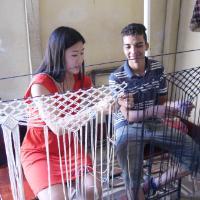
(195, 21)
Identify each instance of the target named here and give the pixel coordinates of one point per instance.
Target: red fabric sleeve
(45, 80)
(86, 83)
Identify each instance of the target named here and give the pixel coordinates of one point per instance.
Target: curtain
(195, 20)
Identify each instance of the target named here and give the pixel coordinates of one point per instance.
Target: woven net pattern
(70, 110)
(187, 80)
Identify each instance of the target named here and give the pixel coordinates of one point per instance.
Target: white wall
(170, 34)
(100, 22)
(14, 51)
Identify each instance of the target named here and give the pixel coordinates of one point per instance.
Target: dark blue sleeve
(162, 83)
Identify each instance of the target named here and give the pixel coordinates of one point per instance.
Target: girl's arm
(38, 90)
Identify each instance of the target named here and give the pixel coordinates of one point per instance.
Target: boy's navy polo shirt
(146, 88)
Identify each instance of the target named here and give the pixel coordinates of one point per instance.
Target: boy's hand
(183, 107)
(126, 100)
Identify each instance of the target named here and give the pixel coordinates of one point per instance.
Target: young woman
(62, 69)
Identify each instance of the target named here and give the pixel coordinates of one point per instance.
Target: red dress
(33, 150)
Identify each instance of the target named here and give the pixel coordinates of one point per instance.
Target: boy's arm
(158, 111)
(162, 100)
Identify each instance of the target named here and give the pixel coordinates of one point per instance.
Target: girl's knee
(55, 192)
(93, 187)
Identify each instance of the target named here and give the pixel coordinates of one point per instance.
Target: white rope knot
(10, 122)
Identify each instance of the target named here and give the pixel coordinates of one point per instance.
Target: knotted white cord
(78, 108)
(46, 135)
(12, 140)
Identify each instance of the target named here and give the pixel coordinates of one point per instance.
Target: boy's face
(134, 47)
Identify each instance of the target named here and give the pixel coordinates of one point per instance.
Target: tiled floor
(5, 190)
(190, 189)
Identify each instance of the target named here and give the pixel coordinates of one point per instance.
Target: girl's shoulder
(43, 79)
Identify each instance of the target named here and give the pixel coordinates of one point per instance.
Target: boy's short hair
(134, 29)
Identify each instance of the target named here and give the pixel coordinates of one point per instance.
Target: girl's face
(74, 58)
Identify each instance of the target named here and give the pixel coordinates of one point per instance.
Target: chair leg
(179, 189)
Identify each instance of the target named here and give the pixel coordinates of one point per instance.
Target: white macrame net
(69, 113)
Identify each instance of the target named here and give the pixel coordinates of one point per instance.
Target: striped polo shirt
(146, 89)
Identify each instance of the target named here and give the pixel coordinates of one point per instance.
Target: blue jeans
(131, 140)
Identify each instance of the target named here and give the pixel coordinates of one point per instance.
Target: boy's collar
(130, 72)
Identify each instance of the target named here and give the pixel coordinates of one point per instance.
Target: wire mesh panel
(184, 132)
(185, 86)
(183, 93)
(153, 132)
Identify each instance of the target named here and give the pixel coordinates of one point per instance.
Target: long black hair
(53, 62)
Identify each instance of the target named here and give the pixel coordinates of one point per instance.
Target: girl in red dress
(61, 70)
